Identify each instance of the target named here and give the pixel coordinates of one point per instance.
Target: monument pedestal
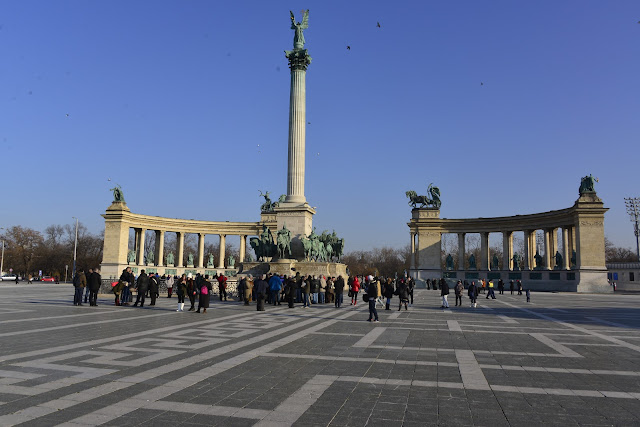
(291, 266)
(299, 220)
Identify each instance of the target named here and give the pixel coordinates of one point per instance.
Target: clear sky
(504, 105)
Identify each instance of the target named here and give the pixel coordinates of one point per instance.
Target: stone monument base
(291, 266)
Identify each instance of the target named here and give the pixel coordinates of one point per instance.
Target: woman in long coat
(388, 292)
(205, 294)
(248, 289)
(473, 294)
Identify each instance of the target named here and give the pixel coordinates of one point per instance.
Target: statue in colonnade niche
(495, 262)
(517, 259)
(190, 259)
(472, 262)
(170, 259)
(449, 262)
(150, 256)
(538, 259)
(131, 256)
(559, 261)
(232, 261)
(210, 260)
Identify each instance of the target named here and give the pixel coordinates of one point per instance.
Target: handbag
(350, 294)
(365, 297)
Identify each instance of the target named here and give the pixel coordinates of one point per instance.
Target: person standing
(79, 283)
(519, 287)
(511, 286)
(473, 294)
(205, 294)
(388, 292)
(500, 287)
(290, 290)
(322, 290)
(94, 283)
(315, 287)
(275, 286)
(491, 292)
(261, 287)
(339, 291)
(378, 292)
(142, 285)
(170, 282)
(528, 293)
(222, 286)
(248, 289)
(191, 292)
(86, 289)
(154, 287)
(241, 285)
(403, 294)
(458, 290)
(306, 292)
(372, 289)
(181, 291)
(330, 294)
(410, 286)
(444, 293)
(299, 285)
(355, 288)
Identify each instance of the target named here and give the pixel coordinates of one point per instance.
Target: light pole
(633, 209)
(2, 259)
(75, 247)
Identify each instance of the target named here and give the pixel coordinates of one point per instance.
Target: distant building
(626, 275)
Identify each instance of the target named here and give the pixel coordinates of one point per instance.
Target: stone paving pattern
(563, 359)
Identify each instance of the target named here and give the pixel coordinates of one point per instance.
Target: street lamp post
(633, 209)
(75, 247)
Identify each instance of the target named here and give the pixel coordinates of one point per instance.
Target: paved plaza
(563, 359)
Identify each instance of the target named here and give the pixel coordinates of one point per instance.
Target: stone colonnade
(582, 231)
(119, 220)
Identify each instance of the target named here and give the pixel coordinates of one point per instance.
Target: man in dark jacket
(261, 287)
(87, 290)
(142, 285)
(154, 287)
(339, 290)
(372, 290)
(94, 283)
(458, 290)
(290, 290)
(444, 293)
(79, 283)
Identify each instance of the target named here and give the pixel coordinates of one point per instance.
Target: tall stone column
(461, 250)
(140, 248)
(243, 248)
(484, 251)
(180, 257)
(565, 249)
(299, 59)
(413, 251)
(507, 249)
(223, 243)
(547, 249)
(200, 250)
(526, 257)
(159, 248)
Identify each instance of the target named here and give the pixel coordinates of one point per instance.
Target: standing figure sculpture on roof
(117, 194)
(299, 27)
(587, 184)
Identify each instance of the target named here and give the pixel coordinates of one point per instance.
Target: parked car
(9, 277)
(48, 279)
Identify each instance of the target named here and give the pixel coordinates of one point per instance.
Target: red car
(48, 279)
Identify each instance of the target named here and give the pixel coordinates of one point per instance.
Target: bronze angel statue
(298, 38)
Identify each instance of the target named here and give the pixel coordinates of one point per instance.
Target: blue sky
(504, 105)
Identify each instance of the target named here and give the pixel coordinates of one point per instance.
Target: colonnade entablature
(581, 253)
(119, 220)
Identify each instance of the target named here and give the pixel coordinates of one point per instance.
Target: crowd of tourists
(275, 289)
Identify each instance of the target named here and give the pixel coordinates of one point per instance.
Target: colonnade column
(140, 242)
(571, 246)
(553, 241)
(412, 261)
(159, 248)
(200, 250)
(565, 249)
(461, 251)
(180, 257)
(525, 257)
(534, 249)
(243, 247)
(484, 251)
(507, 249)
(223, 242)
(547, 249)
